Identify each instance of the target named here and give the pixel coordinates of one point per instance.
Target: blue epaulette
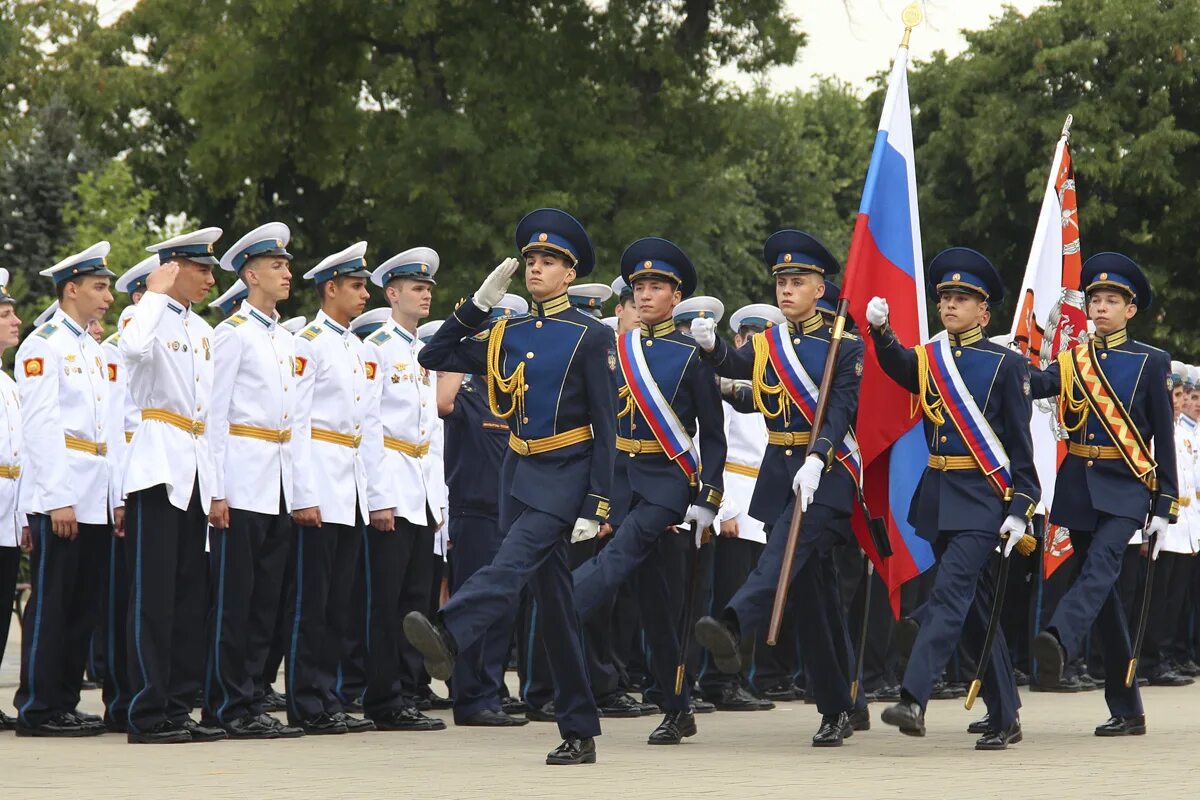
(47, 330)
(379, 337)
(312, 331)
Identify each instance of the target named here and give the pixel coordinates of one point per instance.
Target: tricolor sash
(803, 392)
(981, 441)
(653, 405)
(1081, 362)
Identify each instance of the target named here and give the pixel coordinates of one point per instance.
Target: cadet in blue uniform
(550, 374)
(824, 483)
(978, 485)
(669, 394)
(1114, 397)
(476, 440)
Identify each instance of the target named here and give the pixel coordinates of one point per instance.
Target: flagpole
(911, 17)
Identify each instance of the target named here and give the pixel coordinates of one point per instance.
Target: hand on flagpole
(877, 312)
(807, 479)
(704, 332)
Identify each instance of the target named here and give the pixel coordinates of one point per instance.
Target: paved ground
(746, 755)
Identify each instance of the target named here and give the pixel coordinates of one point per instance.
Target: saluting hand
(492, 290)
(162, 279)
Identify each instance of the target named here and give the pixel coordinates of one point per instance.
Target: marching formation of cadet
(205, 504)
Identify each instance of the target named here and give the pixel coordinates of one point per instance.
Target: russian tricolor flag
(885, 260)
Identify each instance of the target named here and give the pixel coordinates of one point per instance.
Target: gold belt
(186, 424)
(788, 438)
(952, 463)
(265, 434)
(639, 445)
(533, 447)
(408, 448)
(86, 446)
(1094, 451)
(741, 469)
(11, 472)
(333, 437)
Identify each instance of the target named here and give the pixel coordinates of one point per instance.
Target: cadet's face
(349, 296)
(654, 299)
(92, 297)
(796, 294)
(1178, 400)
(547, 275)
(1109, 311)
(627, 316)
(193, 281)
(1193, 405)
(960, 311)
(10, 326)
(96, 330)
(410, 298)
(272, 275)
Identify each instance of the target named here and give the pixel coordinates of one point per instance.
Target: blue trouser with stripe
(534, 551)
(632, 551)
(317, 613)
(248, 561)
(1094, 598)
(58, 622)
(168, 595)
(958, 608)
(116, 690)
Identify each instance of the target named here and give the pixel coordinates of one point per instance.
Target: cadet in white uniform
(231, 299)
(329, 494)
(12, 521)
(167, 352)
(254, 397)
(403, 491)
(68, 488)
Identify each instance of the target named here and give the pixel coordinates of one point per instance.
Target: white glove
(702, 516)
(807, 479)
(1014, 526)
(1158, 525)
(877, 312)
(584, 529)
(704, 331)
(492, 290)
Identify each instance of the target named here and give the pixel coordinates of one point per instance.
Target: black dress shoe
(274, 701)
(699, 706)
(1123, 726)
(1000, 740)
(201, 733)
(782, 693)
(513, 705)
(907, 716)
(492, 719)
(945, 690)
(832, 731)
(323, 725)
(619, 706)
(981, 725)
(719, 639)
(353, 705)
(251, 728)
(1020, 677)
(407, 719)
(860, 720)
(436, 701)
(284, 731)
(649, 709)
(886, 694)
(542, 714)
(904, 635)
(163, 733)
(61, 725)
(1170, 678)
(432, 642)
(574, 751)
(735, 698)
(7, 723)
(1189, 668)
(675, 727)
(1050, 659)
(354, 724)
(84, 716)
(1087, 683)
(92, 724)
(1068, 685)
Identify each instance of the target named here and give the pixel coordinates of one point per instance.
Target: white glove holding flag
(877, 312)
(584, 529)
(1014, 526)
(492, 290)
(807, 479)
(1158, 526)
(703, 517)
(704, 331)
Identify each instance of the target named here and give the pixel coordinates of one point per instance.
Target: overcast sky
(851, 40)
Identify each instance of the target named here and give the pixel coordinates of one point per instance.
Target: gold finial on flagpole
(1066, 131)
(911, 16)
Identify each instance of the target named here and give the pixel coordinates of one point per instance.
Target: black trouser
(352, 668)
(878, 669)
(728, 561)
(317, 613)
(10, 563)
(1183, 644)
(398, 566)
(164, 555)
(57, 626)
(281, 637)
(1166, 600)
(113, 642)
(248, 562)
